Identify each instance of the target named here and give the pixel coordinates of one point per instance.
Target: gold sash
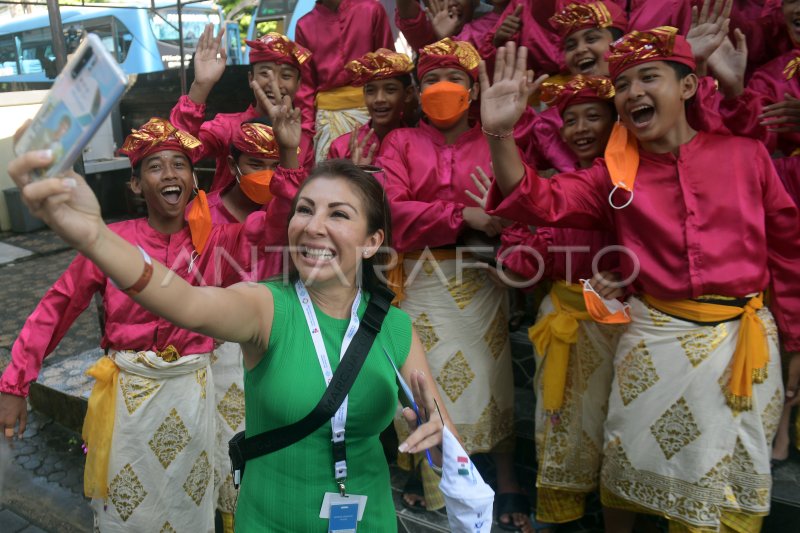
(346, 97)
(751, 355)
(98, 426)
(553, 335)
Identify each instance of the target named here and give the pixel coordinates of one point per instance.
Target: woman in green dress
(339, 223)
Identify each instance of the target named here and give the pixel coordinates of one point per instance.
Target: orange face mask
(602, 310)
(444, 103)
(255, 185)
(199, 218)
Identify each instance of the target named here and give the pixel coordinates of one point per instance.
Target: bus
(278, 16)
(142, 39)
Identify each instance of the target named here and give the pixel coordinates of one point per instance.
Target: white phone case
(81, 98)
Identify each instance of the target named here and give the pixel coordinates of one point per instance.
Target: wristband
(144, 279)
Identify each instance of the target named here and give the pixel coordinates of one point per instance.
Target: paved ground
(41, 476)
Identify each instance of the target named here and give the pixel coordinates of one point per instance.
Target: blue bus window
(124, 40)
(8, 56)
(142, 40)
(164, 23)
(36, 52)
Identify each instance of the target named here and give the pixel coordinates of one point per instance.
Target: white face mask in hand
(468, 498)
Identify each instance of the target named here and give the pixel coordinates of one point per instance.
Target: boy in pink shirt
(273, 59)
(336, 32)
(388, 93)
(689, 423)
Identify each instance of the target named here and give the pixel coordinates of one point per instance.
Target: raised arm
(503, 102)
(242, 313)
(412, 21)
(708, 30)
(209, 64)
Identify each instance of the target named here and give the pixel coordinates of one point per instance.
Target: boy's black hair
(252, 71)
(612, 107)
(616, 33)
(404, 79)
(681, 70)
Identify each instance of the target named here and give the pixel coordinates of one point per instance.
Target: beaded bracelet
(498, 136)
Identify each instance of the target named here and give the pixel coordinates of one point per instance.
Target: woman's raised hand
(505, 98)
(66, 204)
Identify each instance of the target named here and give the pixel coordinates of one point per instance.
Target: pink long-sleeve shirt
(648, 14)
(335, 38)
(418, 30)
(788, 169)
(340, 147)
(219, 213)
(227, 259)
(543, 43)
(425, 183)
(767, 86)
(539, 137)
(700, 223)
(217, 134)
(566, 253)
(539, 134)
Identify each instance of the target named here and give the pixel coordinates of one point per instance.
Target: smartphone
(81, 98)
(407, 400)
(405, 395)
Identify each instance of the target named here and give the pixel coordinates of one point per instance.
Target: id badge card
(343, 512)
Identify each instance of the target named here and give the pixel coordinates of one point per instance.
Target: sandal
(413, 487)
(510, 503)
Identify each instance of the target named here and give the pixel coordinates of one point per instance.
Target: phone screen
(81, 98)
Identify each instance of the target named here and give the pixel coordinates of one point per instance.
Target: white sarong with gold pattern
(160, 468)
(228, 372)
(673, 447)
(568, 446)
(332, 124)
(463, 326)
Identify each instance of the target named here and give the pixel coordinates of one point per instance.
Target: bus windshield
(164, 23)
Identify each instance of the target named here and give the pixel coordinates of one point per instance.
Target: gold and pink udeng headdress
(637, 47)
(158, 135)
(378, 65)
(578, 90)
(580, 15)
(278, 48)
(448, 53)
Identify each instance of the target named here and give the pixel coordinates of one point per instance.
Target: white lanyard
(338, 419)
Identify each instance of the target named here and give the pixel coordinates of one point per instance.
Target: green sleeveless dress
(283, 491)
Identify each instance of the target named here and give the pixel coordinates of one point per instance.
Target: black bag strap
(242, 449)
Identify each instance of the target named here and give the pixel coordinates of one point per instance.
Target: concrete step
(63, 388)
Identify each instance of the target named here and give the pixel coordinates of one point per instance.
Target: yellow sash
(751, 355)
(341, 98)
(552, 336)
(98, 427)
